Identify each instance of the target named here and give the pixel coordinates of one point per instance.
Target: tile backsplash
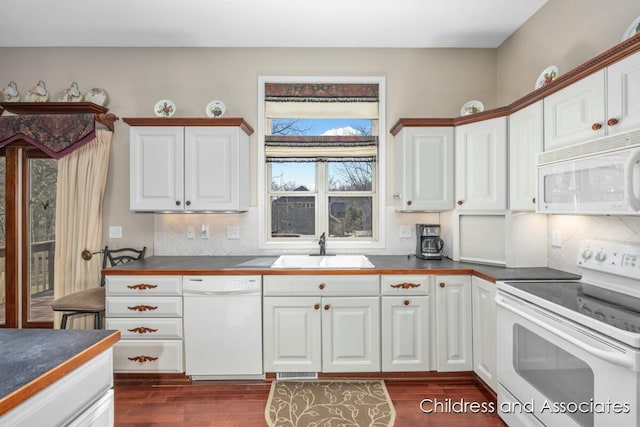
(170, 234)
(574, 229)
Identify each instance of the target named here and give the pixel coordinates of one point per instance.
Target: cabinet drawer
(146, 328)
(321, 285)
(405, 284)
(143, 307)
(144, 285)
(148, 356)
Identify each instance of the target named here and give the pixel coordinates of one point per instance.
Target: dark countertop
(384, 264)
(32, 359)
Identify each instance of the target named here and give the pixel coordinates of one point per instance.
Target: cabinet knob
(177, 202)
(533, 200)
(442, 284)
(460, 202)
(406, 302)
(596, 126)
(612, 121)
(316, 307)
(408, 202)
(188, 203)
(322, 285)
(326, 307)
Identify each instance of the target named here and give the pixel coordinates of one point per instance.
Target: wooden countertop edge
(17, 397)
(297, 271)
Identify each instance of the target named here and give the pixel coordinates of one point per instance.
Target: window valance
(321, 100)
(55, 134)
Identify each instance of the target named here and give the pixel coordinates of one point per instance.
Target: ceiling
(261, 23)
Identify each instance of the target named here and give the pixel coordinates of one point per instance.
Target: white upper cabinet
(424, 169)
(623, 90)
(575, 113)
(481, 165)
(189, 168)
(525, 143)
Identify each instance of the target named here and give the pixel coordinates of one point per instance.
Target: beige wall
(565, 33)
(420, 83)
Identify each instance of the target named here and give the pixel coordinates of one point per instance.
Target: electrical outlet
(556, 239)
(405, 232)
(233, 233)
(115, 232)
(191, 233)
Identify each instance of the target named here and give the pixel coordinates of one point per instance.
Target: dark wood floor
(240, 404)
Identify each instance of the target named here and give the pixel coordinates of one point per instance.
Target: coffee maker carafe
(428, 242)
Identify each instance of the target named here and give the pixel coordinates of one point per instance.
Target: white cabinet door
(405, 333)
(525, 142)
(156, 168)
(623, 95)
(484, 330)
(351, 334)
(481, 165)
(575, 113)
(453, 328)
(216, 168)
(424, 169)
(292, 334)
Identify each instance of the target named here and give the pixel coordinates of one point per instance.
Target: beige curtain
(82, 178)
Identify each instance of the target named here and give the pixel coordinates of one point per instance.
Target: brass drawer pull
(143, 307)
(407, 302)
(322, 285)
(143, 359)
(142, 286)
(405, 285)
(316, 307)
(142, 330)
(442, 285)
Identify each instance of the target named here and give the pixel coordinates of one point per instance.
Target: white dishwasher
(223, 327)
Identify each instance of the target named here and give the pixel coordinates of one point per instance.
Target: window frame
(379, 179)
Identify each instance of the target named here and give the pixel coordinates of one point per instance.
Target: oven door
(561, 373)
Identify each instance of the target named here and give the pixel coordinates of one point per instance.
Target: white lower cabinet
(406, 323)
(147, 310)
(453, 323)
(323, 324)
(483, 294)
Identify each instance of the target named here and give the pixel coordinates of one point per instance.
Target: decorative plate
(472, 107)
(215, 109)
(97, 96)
(632, 30)
(547, 76)
(164, 108)
(70, 94)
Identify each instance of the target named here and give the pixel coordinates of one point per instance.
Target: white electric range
(569, 351)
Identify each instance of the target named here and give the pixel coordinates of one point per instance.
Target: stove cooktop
(611, 313)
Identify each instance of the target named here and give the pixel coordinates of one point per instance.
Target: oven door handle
(611, 357)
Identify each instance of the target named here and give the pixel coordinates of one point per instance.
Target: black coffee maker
(428, 242)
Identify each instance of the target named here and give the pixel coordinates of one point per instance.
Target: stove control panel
(622, 259)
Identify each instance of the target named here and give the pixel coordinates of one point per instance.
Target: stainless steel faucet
(323, 244)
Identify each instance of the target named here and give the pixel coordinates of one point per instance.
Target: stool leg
(96, 321)
(63, 323)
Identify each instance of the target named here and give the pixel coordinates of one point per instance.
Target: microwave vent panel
(598, 146)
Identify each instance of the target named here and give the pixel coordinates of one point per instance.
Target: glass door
(27, 237)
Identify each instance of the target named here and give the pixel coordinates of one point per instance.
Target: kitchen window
(321, 159)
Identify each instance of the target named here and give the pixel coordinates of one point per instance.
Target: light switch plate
(556, 239)
(191, 233)
(405, 232)
(233, 233)
(115, 232)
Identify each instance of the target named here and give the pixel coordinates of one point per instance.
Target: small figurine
(11, 93)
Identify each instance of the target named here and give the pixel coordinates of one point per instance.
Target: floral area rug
(329, 403)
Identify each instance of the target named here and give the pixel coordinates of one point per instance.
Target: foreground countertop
(384, 264)
(33, 359)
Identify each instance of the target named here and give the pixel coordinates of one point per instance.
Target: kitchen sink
(323, 261)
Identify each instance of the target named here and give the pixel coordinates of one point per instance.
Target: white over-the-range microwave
(600, 177)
